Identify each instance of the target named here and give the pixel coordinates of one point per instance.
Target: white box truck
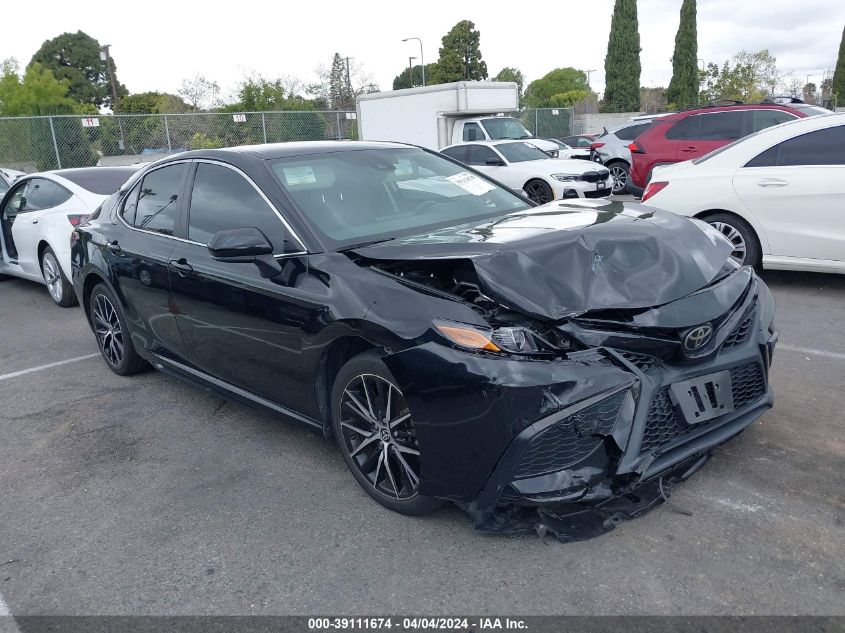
(445, 114)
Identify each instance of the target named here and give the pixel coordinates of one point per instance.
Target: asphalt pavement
(144, 495)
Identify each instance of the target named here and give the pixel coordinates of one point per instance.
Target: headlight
(509, 340)
(566, 177)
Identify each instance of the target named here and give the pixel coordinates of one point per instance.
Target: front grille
(740, 333)
(641, 361)
(570, 440)
(663, 424)
(595, 176)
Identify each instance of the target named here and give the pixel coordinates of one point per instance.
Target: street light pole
(422, 59)
(589, 72)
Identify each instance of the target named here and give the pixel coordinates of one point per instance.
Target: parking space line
(59, 363)
(811, 352)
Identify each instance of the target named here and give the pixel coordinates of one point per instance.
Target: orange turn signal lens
(466, 336)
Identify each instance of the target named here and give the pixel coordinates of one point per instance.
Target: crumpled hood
(566, 258)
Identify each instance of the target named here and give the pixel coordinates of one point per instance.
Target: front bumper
(585, 436)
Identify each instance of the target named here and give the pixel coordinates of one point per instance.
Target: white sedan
(778, 195)
(37, 216)
(521, 165)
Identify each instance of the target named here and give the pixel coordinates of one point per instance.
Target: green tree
(200, 92)
(683, 89)
(152, 103)
(460, 55)
(559, 81)
(838, 87)
(75, 57)
(407, 80)
(622, 63)
(512, 74)
(746, 77)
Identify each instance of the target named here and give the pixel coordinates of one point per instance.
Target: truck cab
(496, 128)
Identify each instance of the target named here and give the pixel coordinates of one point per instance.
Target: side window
(822, 147)
(631, 132)
(223, 199)
(685, 129)
(761, 119)
(721, 126)
(458, 153)
(472, 132)
(43, 194)
(129, 206)
(158, 199)
(15, 202)
(481, 155)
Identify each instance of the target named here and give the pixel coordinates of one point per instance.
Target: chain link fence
(55, 142)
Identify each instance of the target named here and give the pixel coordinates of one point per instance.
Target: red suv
(692, 133)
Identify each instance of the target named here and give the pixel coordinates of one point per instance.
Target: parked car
(692, 133)
(37, 216)
(777, 195)
(7, 177)
(611, 150)
(567, 151)
(458, 342)
(579, 140)
(521, 165)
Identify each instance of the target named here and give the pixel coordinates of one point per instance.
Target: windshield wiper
(352, 247)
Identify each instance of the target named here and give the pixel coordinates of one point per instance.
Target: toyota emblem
(697, 338)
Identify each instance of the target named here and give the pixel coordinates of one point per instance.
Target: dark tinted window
(822, 147)
(721, 126)
(459, 153)
(520, 152)
(684, 129)
(632, 131)
(761, 119)
(4, 186)
(480, 155)
(472, 132)
(44, 194)
(223, 199)
(158, 199)
(100, 180)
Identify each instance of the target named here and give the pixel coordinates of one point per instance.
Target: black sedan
(556, 366)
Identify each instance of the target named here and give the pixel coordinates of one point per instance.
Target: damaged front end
(567, 418)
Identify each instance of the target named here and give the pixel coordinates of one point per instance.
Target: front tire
(112, 335)
(376, 434)
(740, 234)
(60, 289)
(538, 191)
(619, 177)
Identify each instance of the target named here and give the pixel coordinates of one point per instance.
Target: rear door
(796, 189)
(237, 325)
(27, 209)
(702, 133)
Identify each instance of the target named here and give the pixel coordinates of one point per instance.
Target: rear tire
(58, 286)
(740, 234)
(376, 435)
(113, 337)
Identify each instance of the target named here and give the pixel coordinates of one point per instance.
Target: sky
(157, 44)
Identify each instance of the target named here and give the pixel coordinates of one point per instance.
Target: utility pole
(422, 59)
(106, 57)
(589, 72)
(411, 70)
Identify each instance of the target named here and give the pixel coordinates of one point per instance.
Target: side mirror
(495, 163)
(247, 245)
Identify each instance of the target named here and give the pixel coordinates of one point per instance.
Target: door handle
(35, 221)
(772, 182)
(114, 247)
(181, 266)
(689, 149)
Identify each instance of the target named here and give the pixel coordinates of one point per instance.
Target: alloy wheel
(619, 177)
(108, 330)
(52, 276)
(379, 436)
(539, 192)
(735, 238)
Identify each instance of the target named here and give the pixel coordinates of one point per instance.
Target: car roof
(272, 151)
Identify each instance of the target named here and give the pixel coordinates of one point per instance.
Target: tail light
(652, 188)
(76, 220)
(595, 146)
(636, 148)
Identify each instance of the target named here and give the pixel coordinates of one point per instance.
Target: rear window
(103, 181)
(633, 131)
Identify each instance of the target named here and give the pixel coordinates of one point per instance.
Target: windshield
(520, 152)
(505, 127)
(359, 196)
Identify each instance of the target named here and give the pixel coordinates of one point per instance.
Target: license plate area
(704, 397)
(601, 184)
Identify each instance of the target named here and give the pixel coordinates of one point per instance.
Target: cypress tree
(839, 74)
(622, 63)
(683, 89)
